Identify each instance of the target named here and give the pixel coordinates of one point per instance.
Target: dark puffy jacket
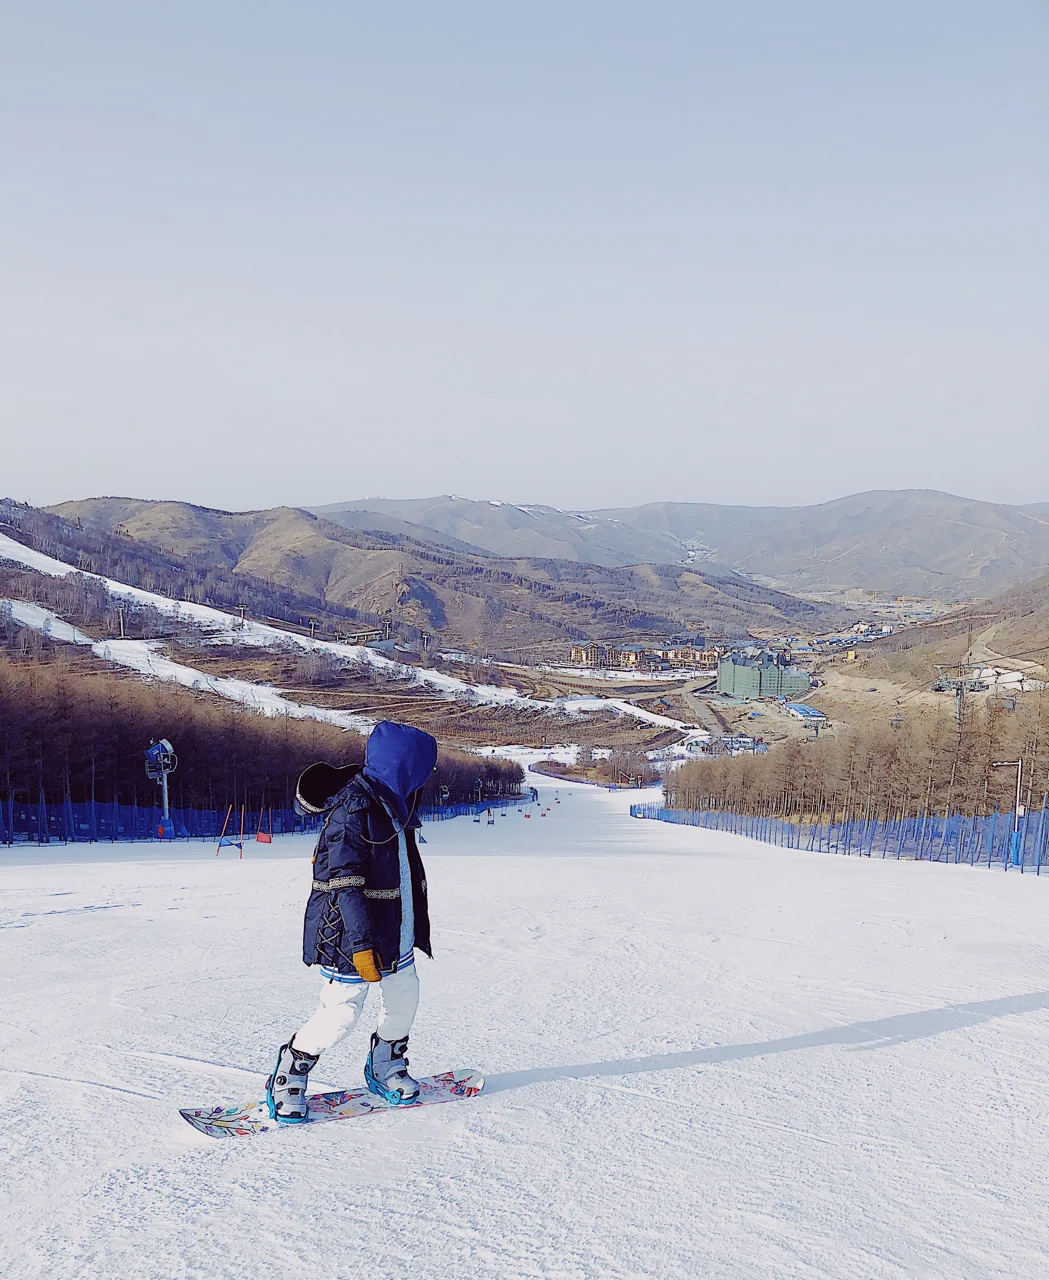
(358, 843)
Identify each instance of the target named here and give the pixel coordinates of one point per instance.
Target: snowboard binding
(286, 1087)
(386, 1072)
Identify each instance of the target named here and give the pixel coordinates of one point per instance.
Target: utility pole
(1018, 765)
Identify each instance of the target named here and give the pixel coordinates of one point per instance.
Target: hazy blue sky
(586, 253)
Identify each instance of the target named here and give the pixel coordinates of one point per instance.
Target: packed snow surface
(706, 1057)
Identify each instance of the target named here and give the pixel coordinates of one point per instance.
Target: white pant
(343, 1002)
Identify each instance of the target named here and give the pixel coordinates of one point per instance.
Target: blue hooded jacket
(398, 760)
(356, 898)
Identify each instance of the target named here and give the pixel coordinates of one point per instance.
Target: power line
(1019, 657)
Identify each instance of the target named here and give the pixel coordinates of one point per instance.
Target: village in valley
(744, 694)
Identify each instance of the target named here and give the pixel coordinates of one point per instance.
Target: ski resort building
(802, 711)
(639, 656)
(619, 656)
(765, 676)
(689, 655)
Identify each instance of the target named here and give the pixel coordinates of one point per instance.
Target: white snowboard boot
(386, 1072)
(286, 1087)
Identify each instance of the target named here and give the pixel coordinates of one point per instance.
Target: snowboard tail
(347, 1104)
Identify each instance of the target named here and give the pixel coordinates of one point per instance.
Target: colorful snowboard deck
(253, 1117)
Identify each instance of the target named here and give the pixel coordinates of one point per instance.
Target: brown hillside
(467, 599)
(911, 541)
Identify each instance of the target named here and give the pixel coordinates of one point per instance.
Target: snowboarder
(365, 916)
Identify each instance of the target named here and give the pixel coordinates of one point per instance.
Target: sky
(586, 253)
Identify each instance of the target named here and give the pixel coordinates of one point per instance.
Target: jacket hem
(355, 979)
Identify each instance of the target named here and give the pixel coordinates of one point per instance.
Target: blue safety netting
(997, 839)
(69, 823)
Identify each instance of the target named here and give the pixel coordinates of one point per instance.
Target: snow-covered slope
(145, 656)
(224, 628)
(706, 1058)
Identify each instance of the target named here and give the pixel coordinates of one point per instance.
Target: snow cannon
(161, 761)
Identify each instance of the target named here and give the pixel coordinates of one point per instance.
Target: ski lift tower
(959, 679)
(160, 762)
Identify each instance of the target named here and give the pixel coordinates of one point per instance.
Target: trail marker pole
(222, 833)
(1014, 846)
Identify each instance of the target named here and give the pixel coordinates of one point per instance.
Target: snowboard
(347, 1104)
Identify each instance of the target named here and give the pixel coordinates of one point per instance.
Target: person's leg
(286, 1089)
(400, 1000)
(386, 1071)
(340, 1007)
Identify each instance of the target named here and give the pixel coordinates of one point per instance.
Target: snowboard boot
(386, 1072)
(286, 1087)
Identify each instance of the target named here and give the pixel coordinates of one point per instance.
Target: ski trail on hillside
(145, 657)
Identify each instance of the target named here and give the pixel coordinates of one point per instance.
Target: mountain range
(909, 542)
(528, 579)
(469, 597)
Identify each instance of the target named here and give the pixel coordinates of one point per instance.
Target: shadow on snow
(879, 1033)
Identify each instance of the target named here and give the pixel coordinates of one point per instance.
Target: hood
(398, 760)
(320, 784)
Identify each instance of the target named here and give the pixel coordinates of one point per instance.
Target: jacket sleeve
(348, 857)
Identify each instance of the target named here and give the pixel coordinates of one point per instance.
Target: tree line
(70, 733)
(926, 765)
